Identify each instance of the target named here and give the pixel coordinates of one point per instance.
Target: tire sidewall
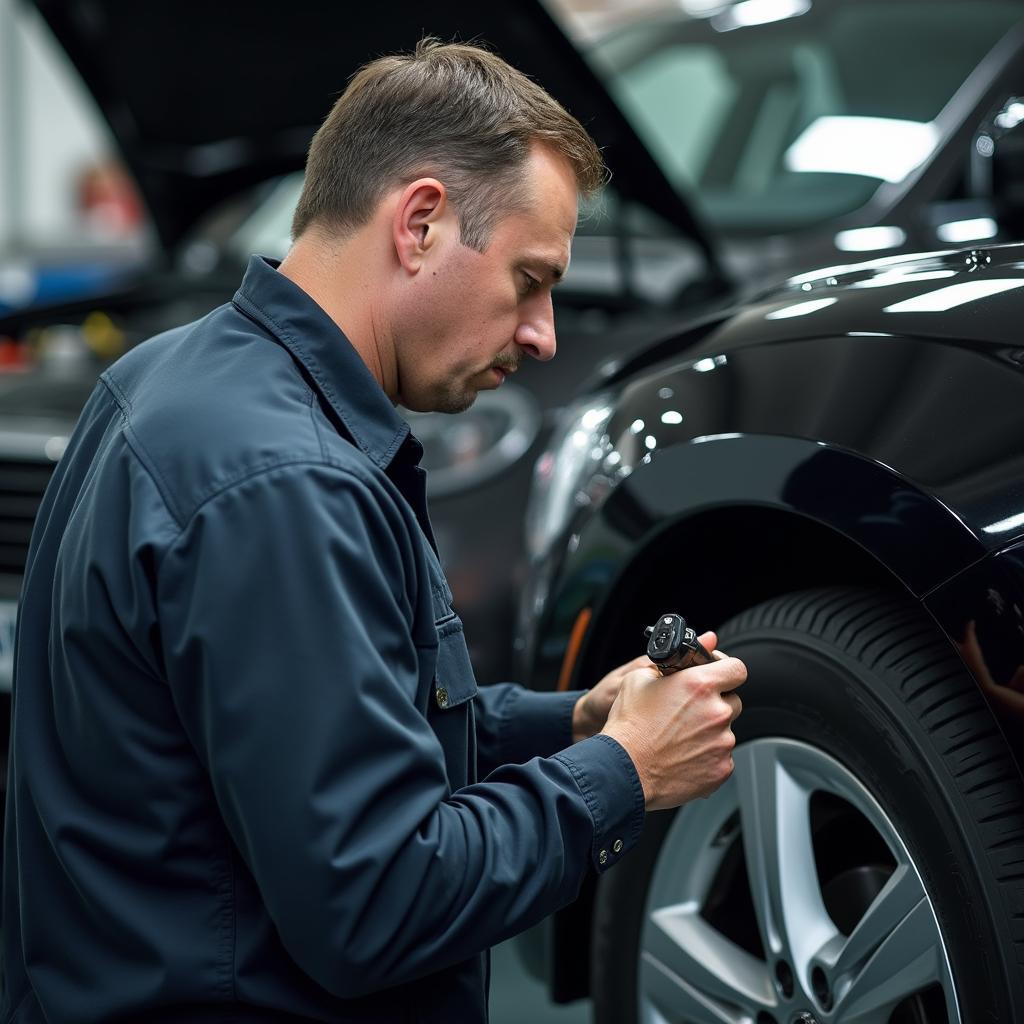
(808, 690)
(805, 688)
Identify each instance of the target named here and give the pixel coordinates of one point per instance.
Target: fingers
(708, 640)
(724, 674)
(735, 705)
(733, 672)
(645, 673)
(640, 662)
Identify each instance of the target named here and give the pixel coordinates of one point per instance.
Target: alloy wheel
(789, 896)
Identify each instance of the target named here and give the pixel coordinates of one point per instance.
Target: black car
(830, 475)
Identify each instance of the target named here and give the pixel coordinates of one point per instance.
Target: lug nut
(819, 982)
(784, 976)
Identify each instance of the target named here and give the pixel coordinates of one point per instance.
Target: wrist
(581, 729)
(633, 746)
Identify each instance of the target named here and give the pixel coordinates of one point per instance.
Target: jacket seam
(139, 449)
(124, 403)
(588, 798)
(324, 450)
(268, 467)
(242, 301)
(251, 474)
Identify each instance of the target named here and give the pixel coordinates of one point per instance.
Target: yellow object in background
(103, 336)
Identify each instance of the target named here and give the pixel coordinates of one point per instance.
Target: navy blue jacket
(246, 732)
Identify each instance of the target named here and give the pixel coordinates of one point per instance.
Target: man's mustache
(507, 364)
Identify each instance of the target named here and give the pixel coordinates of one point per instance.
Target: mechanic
(247, 737)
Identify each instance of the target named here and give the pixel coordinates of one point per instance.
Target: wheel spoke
(900, 896)
(681, 941)
(775, 815)
(676, 1000)
(908, 960)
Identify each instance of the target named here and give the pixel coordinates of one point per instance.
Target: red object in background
(107, 199)
(13, 357)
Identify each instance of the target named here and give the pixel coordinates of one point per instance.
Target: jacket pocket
(451, 715)
(454, 680)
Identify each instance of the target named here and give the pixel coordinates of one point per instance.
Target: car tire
(864, 734)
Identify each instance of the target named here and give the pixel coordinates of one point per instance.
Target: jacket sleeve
(286, 626)
(514, 724)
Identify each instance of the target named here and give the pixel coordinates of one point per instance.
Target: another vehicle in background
(806, 130)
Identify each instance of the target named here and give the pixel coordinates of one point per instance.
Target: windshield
(779, 114)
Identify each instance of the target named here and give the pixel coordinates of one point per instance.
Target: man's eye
(530, 284)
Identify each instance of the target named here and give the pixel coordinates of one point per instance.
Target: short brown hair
(451, 110)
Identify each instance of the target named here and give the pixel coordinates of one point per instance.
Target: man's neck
(336, 275)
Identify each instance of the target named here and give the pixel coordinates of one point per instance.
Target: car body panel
(906, 444)
(845, 442)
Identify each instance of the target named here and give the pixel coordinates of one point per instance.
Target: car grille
(22, 482)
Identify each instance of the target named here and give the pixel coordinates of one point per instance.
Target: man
(247, 736)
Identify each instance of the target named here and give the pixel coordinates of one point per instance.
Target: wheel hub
(688, 963)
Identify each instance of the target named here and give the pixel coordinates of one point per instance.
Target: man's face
(476, 315)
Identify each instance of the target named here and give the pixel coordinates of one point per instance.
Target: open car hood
(208, 99)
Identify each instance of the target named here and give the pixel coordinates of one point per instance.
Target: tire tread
(901, 646)
(965, 735)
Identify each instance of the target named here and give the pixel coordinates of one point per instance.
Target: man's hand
(591, 710)
(678, 728)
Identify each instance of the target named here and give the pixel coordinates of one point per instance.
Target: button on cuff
(609, 784)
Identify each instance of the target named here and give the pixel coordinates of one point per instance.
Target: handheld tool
(673, 646)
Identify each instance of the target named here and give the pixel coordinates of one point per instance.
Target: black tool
(673, 646)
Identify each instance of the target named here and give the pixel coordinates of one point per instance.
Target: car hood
(206, 100)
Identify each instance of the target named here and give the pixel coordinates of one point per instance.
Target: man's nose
(536, 332)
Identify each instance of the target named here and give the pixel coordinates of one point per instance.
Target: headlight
(461, 452)
(563, 474)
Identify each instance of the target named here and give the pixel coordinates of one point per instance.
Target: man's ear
(418, 221)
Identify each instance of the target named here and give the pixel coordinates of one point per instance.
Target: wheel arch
(695, 531)
(714, 525)
(729, 557)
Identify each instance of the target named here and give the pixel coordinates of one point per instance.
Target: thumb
(708, 640)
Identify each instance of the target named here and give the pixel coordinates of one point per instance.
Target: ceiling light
(874, 147)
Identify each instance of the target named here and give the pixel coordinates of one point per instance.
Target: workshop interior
(787, 406)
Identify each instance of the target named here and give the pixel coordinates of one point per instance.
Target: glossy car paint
(861, 425)
(855, 425)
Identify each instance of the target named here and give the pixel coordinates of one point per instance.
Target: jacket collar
(335, 367)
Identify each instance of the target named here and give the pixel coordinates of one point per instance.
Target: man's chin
(455, 401)
(447, 402)
(459, 403)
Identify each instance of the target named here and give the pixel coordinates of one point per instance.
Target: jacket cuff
(536, 724)
(608, 781)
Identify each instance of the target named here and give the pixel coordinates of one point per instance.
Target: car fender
(707, 519)
(749, 472)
